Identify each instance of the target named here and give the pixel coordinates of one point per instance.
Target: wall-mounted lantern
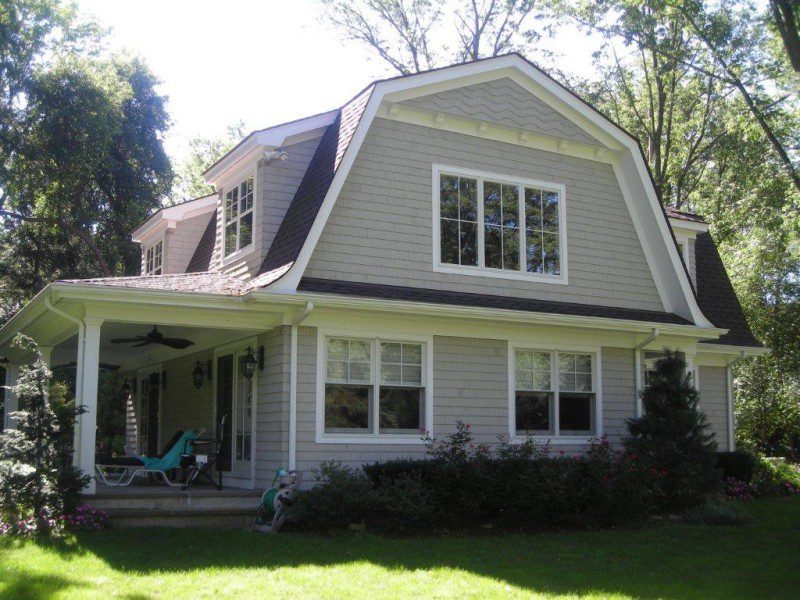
(198, 375)
(249, 364)
(127, 391)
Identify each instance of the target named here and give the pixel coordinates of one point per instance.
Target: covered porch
(189, 373)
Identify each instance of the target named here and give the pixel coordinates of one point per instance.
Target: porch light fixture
(127, 392)
(198, 375)
(249, 364)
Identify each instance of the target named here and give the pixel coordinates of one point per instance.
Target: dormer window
(498, 226)
(239, 217)
(154, 258)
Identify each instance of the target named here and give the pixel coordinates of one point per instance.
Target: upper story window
(374, 388)
(239, 217)
(554, 393)
(154, 258)
(498, 226)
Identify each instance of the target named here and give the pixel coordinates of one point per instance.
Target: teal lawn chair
(120, 472)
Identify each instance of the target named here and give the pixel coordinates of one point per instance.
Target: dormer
(686, 226)
(169, 237)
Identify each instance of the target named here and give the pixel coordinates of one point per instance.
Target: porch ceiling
(128, 357)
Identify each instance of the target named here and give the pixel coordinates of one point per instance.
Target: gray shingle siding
(714, 401)
(380, 229)
(503, 102)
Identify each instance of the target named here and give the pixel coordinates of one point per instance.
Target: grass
(757, 560)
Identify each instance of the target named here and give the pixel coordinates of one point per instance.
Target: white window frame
(236, 181)
(597, 389)
(153, 246)
(481, 270)
(375, 338)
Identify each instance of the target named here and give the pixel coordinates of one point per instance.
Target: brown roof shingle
(201, 259)
(213, 282)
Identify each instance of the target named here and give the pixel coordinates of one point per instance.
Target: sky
(260, 61)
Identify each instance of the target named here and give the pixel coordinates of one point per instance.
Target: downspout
(729, 393)
(76, 446)
(637, 361)
(293, 385)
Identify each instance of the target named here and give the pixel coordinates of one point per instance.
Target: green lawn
(759, 560)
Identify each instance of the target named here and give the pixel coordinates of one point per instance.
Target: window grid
(408, 356)
(535, 250)
(154, 259)
(238, 214)
(574, 369)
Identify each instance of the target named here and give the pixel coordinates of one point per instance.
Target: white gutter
(78, 375)
(637, 361)
(729, 397)
(293, 384)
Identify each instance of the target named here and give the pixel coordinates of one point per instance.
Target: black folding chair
(205, 470)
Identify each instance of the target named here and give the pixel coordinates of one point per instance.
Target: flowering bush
(85, 517)
(776, 477)
(736, 488)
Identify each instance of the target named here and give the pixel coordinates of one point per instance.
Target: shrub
(671, 439)
(717, 513)
(739, 464)
(735, 488)
(776, 477)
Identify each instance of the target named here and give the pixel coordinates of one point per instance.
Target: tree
(416, 35)
(203, 152)
(671, 438)
(786, 18)
(81, 151)
(37, 478)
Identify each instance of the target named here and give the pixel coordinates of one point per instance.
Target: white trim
(481, 270)
(597, 389)
(170, 215)
(674, 279)
(152, 246)
(692, 226)
(374, 437)
(240, 253)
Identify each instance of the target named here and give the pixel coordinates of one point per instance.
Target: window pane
(359, 372)
(412, 374)
(533, 252)
(575, 412)
(493, 247)
(533, 209)
(533, 411)
(400, 409)
(392, 374)
(359, 350)
(412, 354)
(566, 381)
(550, 253)
(449, 241)
(448, 197)
(510, 206)
(550, 211)
(583, 363)
(230, 238)
(337, 370)
(532, 370)
(511, 249)
(337, 349)
(469, 243)
(246, 230)
(468, 200)
(391, 352)
(346, 408)
(492, 210)
(566, 362)
(583, 382)
(231, 207)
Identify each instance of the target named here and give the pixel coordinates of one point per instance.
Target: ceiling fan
(154, 337)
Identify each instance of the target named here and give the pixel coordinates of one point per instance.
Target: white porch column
(89, 367)
(729, 405)
(46, 352)
(10, 405)
(76, 434)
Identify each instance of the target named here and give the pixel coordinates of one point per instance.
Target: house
(470, 243)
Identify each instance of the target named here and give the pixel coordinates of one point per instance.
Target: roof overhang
(168, 217)
(253, 147)
(692, 227)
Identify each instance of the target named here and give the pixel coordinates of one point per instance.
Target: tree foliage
(81, 151)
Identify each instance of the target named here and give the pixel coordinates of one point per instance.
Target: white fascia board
(729, 349)
(479, 313)
(692, 226)
(172, 214)
(671, 278)
(273, 137)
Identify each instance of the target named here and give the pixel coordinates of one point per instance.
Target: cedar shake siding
(380, 229)
(713, 389)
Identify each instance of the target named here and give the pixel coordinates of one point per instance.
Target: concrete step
(182, 517)
(245, 499)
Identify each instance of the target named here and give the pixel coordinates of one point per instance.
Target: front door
(224, 407)
(149, 395)
(242, 421)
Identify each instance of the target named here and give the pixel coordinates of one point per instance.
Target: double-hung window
(239, 217)
(554, 393)
(499, 226)
(154, 258)
(374, 387)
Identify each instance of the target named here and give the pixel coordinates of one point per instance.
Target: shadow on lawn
(670, 561)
